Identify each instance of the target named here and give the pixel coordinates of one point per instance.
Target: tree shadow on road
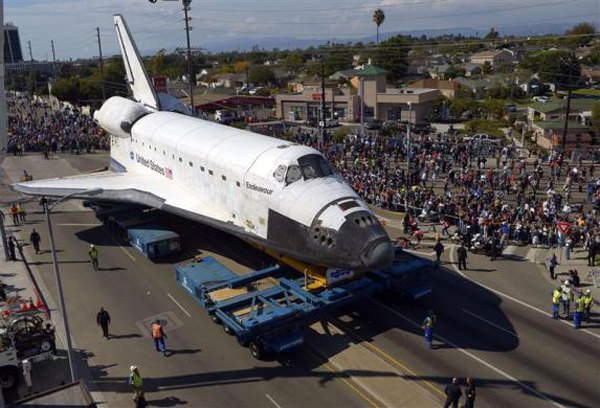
(170, 353)
(167, 402)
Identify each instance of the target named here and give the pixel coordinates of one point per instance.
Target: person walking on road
(439, 250)
(591, 257)
(453, 394)
(588, 301)
(14, 211)
(12, 248)
(137, 383)
(159, 337)
(35, 240)
(470, 394)
(552, 262)
(462, 257)
(427, 327)
(556, 295)
(103, 320)
(93, 253)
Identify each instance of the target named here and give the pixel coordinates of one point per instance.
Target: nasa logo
(131, 156)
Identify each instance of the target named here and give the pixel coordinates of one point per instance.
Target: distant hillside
(268, 43)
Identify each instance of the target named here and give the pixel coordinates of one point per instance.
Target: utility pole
(101, 64)
(247, 83)
(192, 79)
(30, 52)
(323, 119)
(53, 59)
(566, 128)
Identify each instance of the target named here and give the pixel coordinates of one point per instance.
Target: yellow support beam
(315, 276)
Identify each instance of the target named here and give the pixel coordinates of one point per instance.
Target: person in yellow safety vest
(427, 326)
(21, 212)
(136, 382)
(93, 253)
(556, 302)
(579, 308)
(588, 302)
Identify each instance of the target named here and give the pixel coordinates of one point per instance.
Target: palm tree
(378, 17)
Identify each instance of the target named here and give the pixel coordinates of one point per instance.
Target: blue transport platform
(153, 240)
(272, 316)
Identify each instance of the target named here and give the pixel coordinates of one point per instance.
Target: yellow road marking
(342, 377)
(390, 359)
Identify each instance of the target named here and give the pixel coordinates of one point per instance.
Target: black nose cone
(378, 256)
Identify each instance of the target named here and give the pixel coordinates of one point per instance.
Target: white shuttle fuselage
(276, 193)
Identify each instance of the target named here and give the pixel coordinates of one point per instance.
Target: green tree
(493, 108)
(261, 75)
(596, 119)
(581, 34)
(560, 67)
(486, 68)
(391, 55)
(293, 62)
(492, 34)
(378, 18)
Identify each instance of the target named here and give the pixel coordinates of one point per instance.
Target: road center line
(177, 303)
(473, 356)
(504, 295)
(490, 323)
(272, 400)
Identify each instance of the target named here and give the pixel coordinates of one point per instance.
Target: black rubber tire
(9, 377)
(256, 350)
(45, 346)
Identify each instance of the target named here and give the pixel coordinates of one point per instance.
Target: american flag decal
(169, 173)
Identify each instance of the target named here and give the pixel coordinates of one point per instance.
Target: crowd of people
(34, 126)
(479, 187)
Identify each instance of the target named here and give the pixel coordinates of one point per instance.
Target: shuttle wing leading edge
(126, 187)
(138, 78)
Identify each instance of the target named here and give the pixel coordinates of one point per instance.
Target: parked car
(225, 116)
(481, 137)
(541, 98)
(373, 125)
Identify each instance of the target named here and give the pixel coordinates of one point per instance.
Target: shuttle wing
(137, 77)
(129, 188)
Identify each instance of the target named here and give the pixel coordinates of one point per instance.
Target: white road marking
(272, 400)
(128, 254)
(80, 225)
(504, 295)
(177, 303)
(490, 323)
(473, 356)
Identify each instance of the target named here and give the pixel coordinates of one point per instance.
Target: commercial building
(344, 103)
(12, 44)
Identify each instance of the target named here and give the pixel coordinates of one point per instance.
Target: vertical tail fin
(138, 79)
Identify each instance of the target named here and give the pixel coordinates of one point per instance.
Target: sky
(72, 23)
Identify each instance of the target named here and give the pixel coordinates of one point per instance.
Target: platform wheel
(9, 377)
(256, 350)
(215, 319)
(228, 330)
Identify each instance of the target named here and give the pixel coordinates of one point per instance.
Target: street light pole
(61, 299)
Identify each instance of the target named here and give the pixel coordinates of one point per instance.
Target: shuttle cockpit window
(293, 174)
(279, 173)
(314, 166)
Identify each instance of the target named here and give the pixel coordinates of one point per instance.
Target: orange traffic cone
(39, 304)
(23, 307)
(31, 304)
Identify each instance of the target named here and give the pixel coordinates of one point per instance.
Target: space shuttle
(276, 194)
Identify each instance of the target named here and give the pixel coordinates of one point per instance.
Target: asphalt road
(498, 335)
